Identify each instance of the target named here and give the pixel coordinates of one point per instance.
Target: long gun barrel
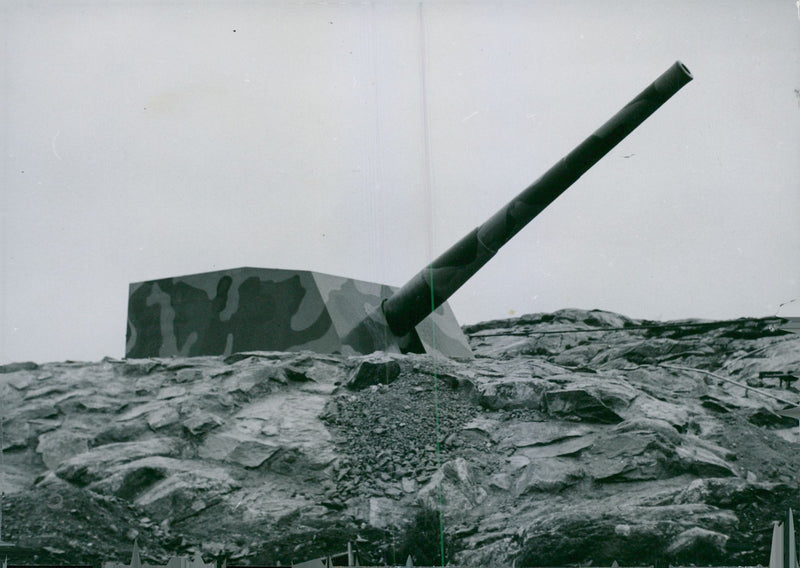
(435, 283)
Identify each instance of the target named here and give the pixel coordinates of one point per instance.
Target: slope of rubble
(572, 437)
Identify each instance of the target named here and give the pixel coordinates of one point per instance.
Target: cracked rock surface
(571, 437)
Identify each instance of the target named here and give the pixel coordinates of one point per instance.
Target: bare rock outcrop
(572, 437)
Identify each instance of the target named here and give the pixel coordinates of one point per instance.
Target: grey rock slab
(271, 500)
(118, 432)
(791, 435)
(291, 420)
(455, 486)
(665, 383)
(45, 391)
(408, 484)
(646, 406)
(99, 403)
(163, 417)
(58, 446)
(649, 351)
(326, 373)
(482, 424)
(185, 493)
(133, 367)
(610, 387)
(724, 489)
(16, 367)
(374, 370)
(516, 463)
(187, 375)
(625, 444)
(716, 449)
(90, 466)
(255, 378)
(524, 434)
(579, 404)
(147, 385)
(549, 475)
(386, 513)
(631, 456)
(500, 481)
(137, 478)
(129, 479)
(568, 447)
(655, 425)
(202, 422)
(577, 356)
(512, 392)
(697, 540)
(15, 478)
(703, 462)
(477, 432)
(142, 410)
(238, 448)
(37, 410)
(171, 392)
(20, 381)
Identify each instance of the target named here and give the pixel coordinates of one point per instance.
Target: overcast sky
(149, 139)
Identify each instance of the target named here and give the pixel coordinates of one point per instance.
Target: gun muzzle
(435, 283)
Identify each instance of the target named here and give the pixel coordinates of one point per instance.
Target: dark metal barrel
(436, 283)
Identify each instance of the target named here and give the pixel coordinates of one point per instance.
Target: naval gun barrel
(435, 283)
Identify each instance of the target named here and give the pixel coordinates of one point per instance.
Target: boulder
(92, 465)
(163, 417)
(512, 392)
(477, 431)
(548, 475)
(58, 446)
(202, 422)
(149, 481)
(769, 419)
(186, 493)
(661, 427)
(380, 370)
(385, 514)
(460, 492)
(15, 367)
(630, 456)
(291, 420)
(137, 367)
(580, 405)
(649, 351)
(653, 408)
(254, 378)
(238, 448)
(577, 356)
(703, 462)
(20, 381)
(698, 544)
(187, 375)
(127, 480)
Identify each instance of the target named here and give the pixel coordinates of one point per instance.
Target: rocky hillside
(571, 437)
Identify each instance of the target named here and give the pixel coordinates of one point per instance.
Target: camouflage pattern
(249, 309)
(437, 282)
(255, 309)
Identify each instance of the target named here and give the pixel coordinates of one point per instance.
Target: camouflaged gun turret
(252, 309)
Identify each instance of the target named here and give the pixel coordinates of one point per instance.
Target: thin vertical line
(2, 468)
(427, 185)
